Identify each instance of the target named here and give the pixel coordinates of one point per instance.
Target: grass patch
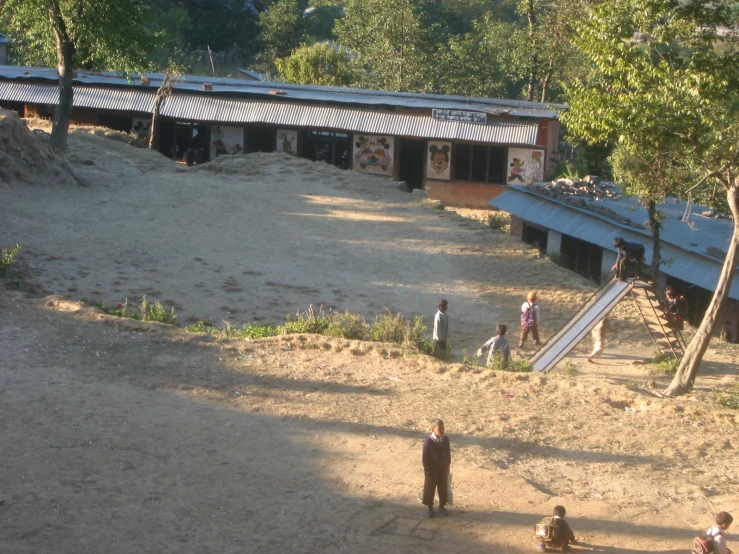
(146, 311)
(730, 398)
(432, 204)
(521, 365)
(570, 369)
(386, 327)
(663, 366)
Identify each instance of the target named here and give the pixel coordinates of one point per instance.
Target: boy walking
(554, 532)
(530, 320)
(497, 344)
(718, 533)
(441, 327)
(436, 459)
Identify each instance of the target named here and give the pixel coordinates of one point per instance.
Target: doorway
(412, 160)
(260, 139)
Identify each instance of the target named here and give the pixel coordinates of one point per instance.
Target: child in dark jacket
(561, 535)
(436, 462)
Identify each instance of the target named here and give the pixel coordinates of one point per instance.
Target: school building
(575, 224)
(463, 151)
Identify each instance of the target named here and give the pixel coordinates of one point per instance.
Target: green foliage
(281, 28)
(570, 369)
(146, 311)
(319, 64)
(730, 398)
(519, 365)
(470, 359)
(6, 259)
(386, 327)
(558, 258)
(664, 365)
(499, 221)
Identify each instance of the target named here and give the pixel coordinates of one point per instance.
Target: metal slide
(580, 324)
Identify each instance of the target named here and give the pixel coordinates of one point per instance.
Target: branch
(712, 175)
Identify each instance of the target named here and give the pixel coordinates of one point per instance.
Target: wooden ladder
(649, 301)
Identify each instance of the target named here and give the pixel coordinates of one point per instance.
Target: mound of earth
(29, 157)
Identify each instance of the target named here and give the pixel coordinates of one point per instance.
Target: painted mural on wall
(225, 140)
(437, 163)
(373, 154)
(525, 166)
(287, 141)
(141, 128)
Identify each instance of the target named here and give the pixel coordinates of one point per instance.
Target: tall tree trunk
(534, 61)
(163, 91)
(686, 373)
(655, 227)
(546, 80)
(65, 59)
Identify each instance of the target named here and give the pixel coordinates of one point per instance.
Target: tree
(77, 33)
(282, 28)
(319, 64)
(665, 88)
(389, 40)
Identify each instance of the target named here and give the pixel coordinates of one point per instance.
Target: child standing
(554, 532)
(441, 327)
(436, 459)
(718, 532)
(530, 319)
(497, 344)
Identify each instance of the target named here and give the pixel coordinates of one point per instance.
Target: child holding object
(436, 459)
(497, 344)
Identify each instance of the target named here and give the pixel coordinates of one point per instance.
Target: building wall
(517, 225)
(463, 194)
(554, 241)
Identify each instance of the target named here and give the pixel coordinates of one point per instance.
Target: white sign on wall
(373, 154)
(287, 141)
(226, 141)
(525, 166)
(437, 159)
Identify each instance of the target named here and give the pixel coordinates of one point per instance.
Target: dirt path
(125, 437)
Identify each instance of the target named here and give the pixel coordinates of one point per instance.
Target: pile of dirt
(28, 156)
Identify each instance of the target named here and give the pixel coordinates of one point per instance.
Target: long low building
(463, 151)
(576, 224)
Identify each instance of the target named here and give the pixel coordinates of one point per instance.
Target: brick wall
(516, 227)
(463, 195)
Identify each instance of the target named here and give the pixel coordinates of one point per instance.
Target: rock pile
(27, 156)
(579, 191)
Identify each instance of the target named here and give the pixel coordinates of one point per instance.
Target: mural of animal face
(439, 158)
(373, 152)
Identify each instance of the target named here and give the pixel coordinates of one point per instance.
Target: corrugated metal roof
(691, 266)
(131, 100)
(343, 95)
(224, 110)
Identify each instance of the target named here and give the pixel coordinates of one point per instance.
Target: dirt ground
(121, 436)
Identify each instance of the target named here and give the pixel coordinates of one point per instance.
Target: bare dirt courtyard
(123, 437)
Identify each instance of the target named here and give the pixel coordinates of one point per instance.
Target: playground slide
(580, 324)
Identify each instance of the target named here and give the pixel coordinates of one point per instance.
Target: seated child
(554, 532)
(497, 344)
(718, 532)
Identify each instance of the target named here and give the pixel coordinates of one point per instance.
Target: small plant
(558, 258)
(499, 221)
(664, 365)
(432, 204)
(308, 321)
(470, 359)
(146, 311)
(570, 369)
(521, 365)
(6, 259)
(569, 171)
(730, 399)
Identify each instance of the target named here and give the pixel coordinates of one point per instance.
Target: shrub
(6, 259)
(521, 365)
(664, 365)
(570, 369)
(146, 311)
(499, 221)
(730, 399)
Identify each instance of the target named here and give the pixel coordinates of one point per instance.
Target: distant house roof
(252, 75)
(692, 250)
(4, 39)
(343, 95)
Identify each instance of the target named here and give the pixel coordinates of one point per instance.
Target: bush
(6, 259)
(499, 221)
(664, 365)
